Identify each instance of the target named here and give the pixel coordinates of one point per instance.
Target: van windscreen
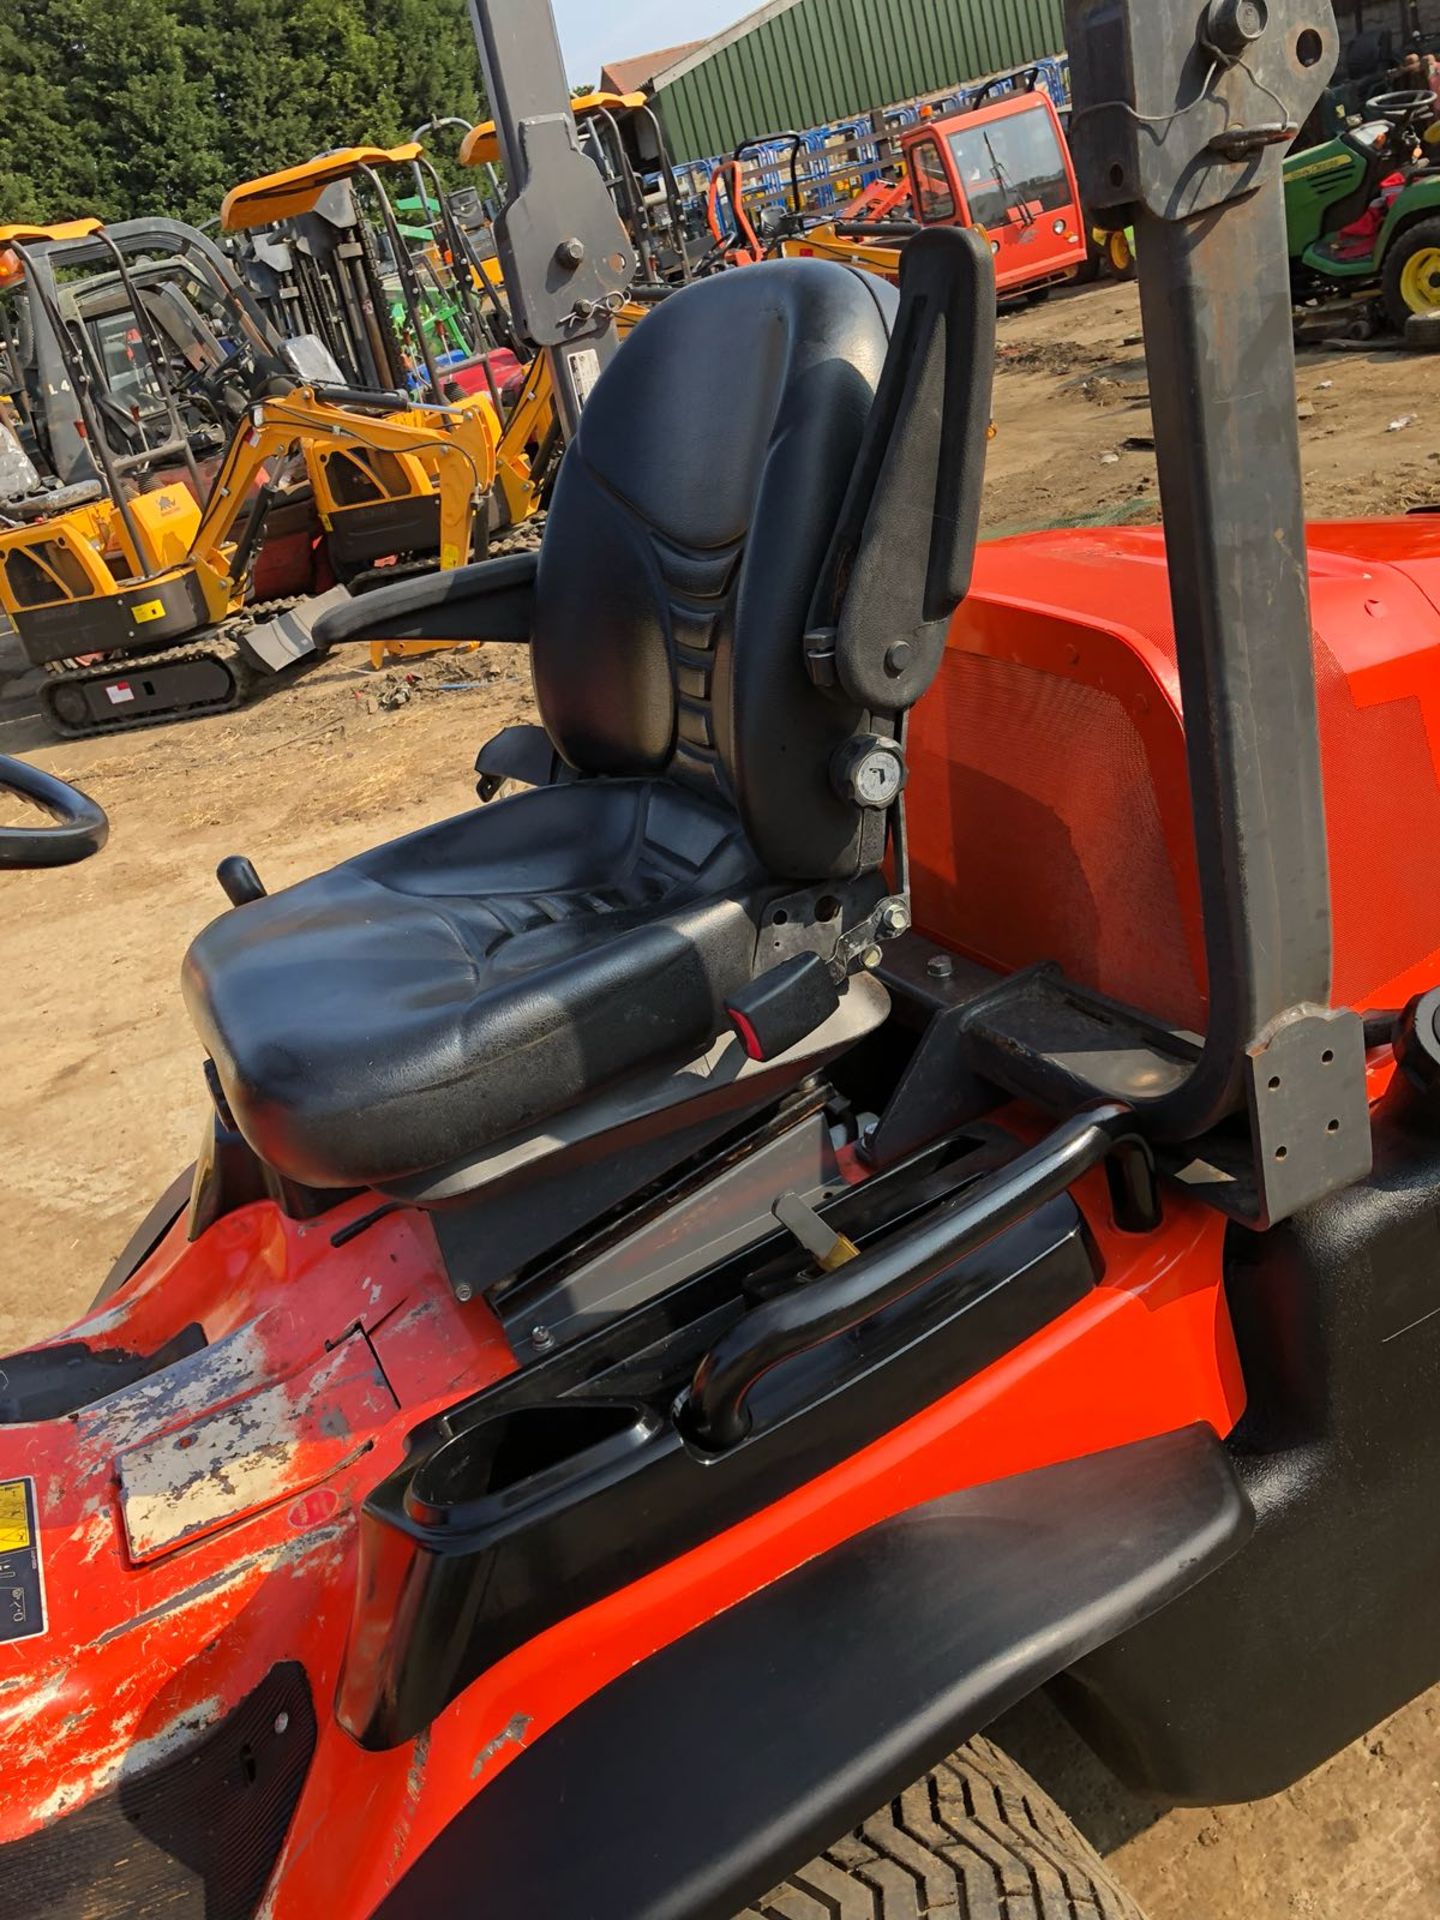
(1015, 161)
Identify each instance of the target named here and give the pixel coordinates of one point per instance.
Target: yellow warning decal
(449, 557)
(148, 610)
(14, 1517)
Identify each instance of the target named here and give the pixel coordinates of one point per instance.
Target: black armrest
(900, 561)
(493, 600)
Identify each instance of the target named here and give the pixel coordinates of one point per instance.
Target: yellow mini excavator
(128, 568)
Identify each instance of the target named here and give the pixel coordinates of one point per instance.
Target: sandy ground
(103, 1097)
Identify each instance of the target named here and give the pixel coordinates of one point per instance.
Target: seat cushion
(430, 998)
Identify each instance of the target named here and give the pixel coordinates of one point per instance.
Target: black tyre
(974, 1840)
(1412, 273)
(1094, 265)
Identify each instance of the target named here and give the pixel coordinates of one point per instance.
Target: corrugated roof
(812, 63)
(703, 50)
(633, 76)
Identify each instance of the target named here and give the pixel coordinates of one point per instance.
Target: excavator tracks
(187, 682)
(154, 690)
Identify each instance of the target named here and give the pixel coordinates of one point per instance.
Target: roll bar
(63, 363)
(565, 257)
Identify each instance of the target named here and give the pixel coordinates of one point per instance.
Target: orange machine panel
(1053, 744)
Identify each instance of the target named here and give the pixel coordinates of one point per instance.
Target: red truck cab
(1004, 168)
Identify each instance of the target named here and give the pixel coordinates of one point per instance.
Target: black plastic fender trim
(696, 1781)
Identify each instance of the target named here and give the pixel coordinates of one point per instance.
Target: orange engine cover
(1049, 802)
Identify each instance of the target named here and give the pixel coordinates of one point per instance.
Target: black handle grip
(716, 1415)
(80, 829)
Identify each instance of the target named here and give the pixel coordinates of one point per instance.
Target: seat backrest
(689, 527)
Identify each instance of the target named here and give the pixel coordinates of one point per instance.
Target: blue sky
(594, 31)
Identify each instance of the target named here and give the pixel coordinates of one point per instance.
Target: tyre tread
(976, 1839)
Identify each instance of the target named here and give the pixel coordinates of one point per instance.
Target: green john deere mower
(1363, 216)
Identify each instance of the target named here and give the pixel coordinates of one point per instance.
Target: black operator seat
(712, 622)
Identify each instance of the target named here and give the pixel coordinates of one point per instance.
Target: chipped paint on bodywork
(175, 1576)
(261, 1449)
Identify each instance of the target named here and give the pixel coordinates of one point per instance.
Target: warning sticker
(119, 693)
(14, 1517)
(146, 611)
(22, 1587)
(585, 369)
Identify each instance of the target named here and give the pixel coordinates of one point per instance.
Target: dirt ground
(103, 1097)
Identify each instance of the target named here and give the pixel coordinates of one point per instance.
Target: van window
(934, 200)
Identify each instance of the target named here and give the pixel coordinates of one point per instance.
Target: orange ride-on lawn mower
(903, 1170)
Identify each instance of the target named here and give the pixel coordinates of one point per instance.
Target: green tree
(121, 107)
(141, 86)
(48, 167)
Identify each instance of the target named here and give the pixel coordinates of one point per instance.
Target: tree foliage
(122, 107)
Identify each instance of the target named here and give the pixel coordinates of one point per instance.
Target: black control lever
(239, 881)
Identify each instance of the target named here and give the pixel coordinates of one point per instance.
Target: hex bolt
(464, 1292)
(542, 1339)
(570, 253)
(871, 959)
(940, 966)
(894, 920)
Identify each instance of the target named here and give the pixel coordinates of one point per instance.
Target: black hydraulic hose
(715, 1415)
(248, 544)
(362, 399)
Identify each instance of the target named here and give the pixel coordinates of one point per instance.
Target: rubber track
(974, 1840)
(218, 645)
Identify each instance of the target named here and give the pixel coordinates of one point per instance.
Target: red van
(1004, 167)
